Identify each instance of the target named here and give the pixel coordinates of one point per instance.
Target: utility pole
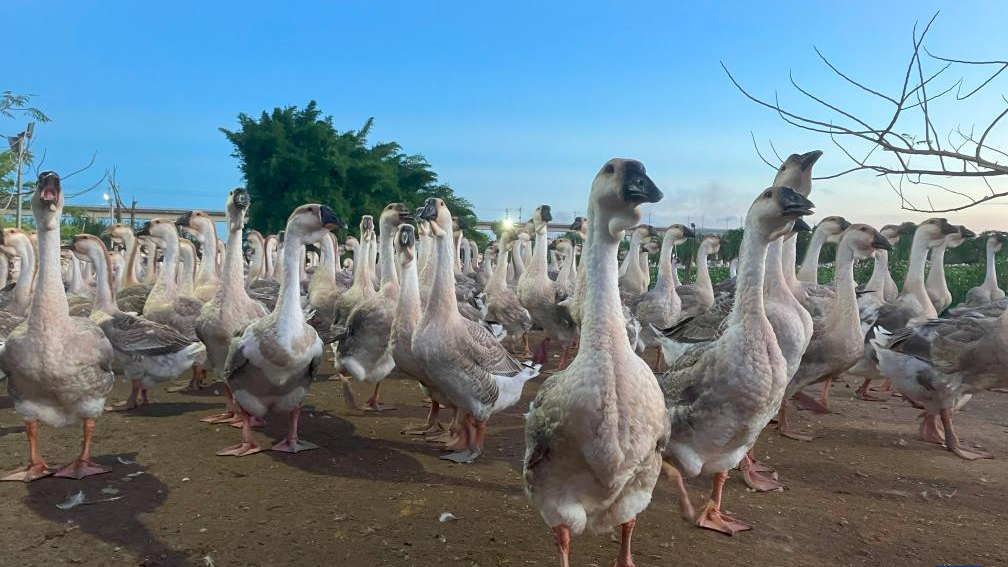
(19, 145)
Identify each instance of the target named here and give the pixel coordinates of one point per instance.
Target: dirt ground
(865, 492)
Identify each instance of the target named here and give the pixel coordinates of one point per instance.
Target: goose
(207, 278)
(58, 368)
(912, 306)
(186, 277)
(322, 289)
(837, 339)
(699, 296)
(362, 346)
(344, 277)
(874, 293)
(828, 230)
(272, 362)
(230, 309)
(257, 256)
(503, 306)
(631, 272)
(661, 306)
(165, 304)
(988, 291)
(721, 394)
(118, 266)
(270, 246)
(541, 295)
(566, 278)
(17, 300)
(519, 257)
(404, 323)
(594, 433)
(120, 233)
(148, 352)
(362, 288)
(935, 284)
(573, 304)
(898, 231)
(462, 358)
(941, 364)
(796, 172)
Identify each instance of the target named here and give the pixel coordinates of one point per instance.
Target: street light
(111, 213)
(19, 146)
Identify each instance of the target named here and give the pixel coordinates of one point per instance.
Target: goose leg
(229, 415)
(291, 444)
(824, 393)
(685, 505)
(373, 404)
(433, 425)
(447, 437)
(955, 444)
(82, 465)
(561, 536)
(541, 354)
(929, 430)
(783, 428)
(712, 518)
(131, 402)
(863, 392)
(807, 402)
(752, 474)
(248, 445)
(625, 557)
(37, 467)
(471, 437)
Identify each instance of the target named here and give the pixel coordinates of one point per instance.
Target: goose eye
(767, 195)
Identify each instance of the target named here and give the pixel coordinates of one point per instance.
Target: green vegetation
(292, 156)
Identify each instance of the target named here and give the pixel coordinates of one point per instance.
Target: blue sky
(513, 103)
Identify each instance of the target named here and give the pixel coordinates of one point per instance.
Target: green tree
(292, 156)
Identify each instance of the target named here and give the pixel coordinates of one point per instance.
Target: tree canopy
(292, 156)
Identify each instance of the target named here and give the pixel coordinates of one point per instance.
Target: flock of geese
(421, 299)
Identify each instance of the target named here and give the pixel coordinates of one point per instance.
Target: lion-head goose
(837, 340)
(462, 358)
(503, 306)
(272, 363)
(935, 284)
(828, 230)
(59, 368)
(207, 278)
(721, 394)
(230, 309)
(941, 364)
(594, 434)
(541, 295)
(149, 352)
(988, 291)
(362, 345)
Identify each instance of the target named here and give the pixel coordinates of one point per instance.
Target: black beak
(793, 203)
(144, 230)
(418, 214)
(184, 219)
(329, 218)
(947, 228)
(552, 245)
(801, 226)
(429, 212)
(640, 189)
(576, 225)
(68, 246)
(881, 243)
(966, 233)
(367, 223)
(688, 232)
(407, 236)
(545, 214)
(405, 216)
(807, 160)
(844, 224)
(240, 198)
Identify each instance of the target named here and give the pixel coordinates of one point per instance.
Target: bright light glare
(507, 223)
(105, 196)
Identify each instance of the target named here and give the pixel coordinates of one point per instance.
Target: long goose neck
(567, 270)
(788, 258)
(408, 306)
(666, 280)
(232, 284)
(517, 259)
(990, 281)
(809, 270)
(328, 253)
(498, 279)
(749, 307)
(255, 269)
(876, 284)
(914, 283)
(631, 257)
(48, 307)
(104, 291)
(774, 284)
(23, 288)
(703, 273)
(936, 277)
(441, 302)
(206, 274)
(166, 284)
(386, 259)
(602, 324)
(845, 301)
(362, 263)
(132, 244)
(289, 317)
(150, 276)
(539, 253)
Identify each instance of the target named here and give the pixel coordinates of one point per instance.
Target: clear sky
(513, 103)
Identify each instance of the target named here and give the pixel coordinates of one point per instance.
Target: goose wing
(138, 336)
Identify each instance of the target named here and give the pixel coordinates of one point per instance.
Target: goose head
(439, 218)
(367, 228)
(651, 246)
(996, 240)
(15, 242)
(308, 223)
(796, 172)
(677, 234)
(932, 232)
(956, 239)
(892, 233)
(159, 231)
(118, 232)
(47, 201)
(563, 246)
(580, 226)
(775, 211)
(832, 227)
(238, 202)
(712, 243)
(619, 188)
(348, 264)
(541, 218)
(405, 244)
(393, 215)
(423, 227)
(90, 248)
(351, 244)
(863, 240)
